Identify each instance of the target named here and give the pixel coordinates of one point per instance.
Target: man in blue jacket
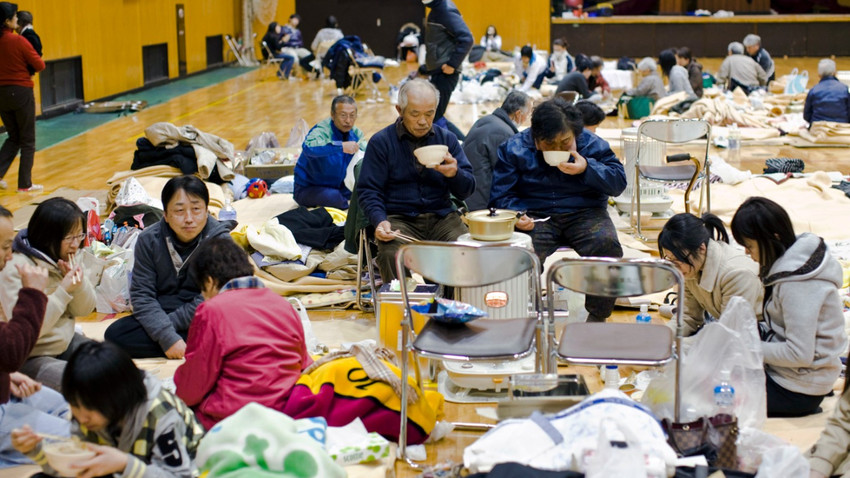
(573, 195)
(829, 100)
(397, 193)
(448, 41)
(325, 154)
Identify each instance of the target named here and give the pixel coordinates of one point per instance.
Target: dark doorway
(61, 85)
(181, 40)
(155, 63)
(376, 22)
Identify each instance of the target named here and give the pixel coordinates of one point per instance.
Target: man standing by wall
(448, 41)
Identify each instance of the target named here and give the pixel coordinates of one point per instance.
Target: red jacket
(19, 334)
(245, 345)
(17, 53)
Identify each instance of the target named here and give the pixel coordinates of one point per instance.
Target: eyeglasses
(77, 238)
(346, 116)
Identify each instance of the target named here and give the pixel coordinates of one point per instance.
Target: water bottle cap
(644, 308)
(611, 367)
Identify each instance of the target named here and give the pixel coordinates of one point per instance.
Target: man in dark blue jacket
(397, 193)
(829, 100)
(573, 195)
(448, 41)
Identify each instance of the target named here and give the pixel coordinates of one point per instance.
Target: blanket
(827, 132)
(340, 391)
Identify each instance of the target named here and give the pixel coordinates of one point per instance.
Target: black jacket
(447, 37)
(482, 149)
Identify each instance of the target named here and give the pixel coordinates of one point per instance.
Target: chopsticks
(78, 274)
(53, 437)
(404, 237)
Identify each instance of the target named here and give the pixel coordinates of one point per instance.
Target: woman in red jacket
(17, 102)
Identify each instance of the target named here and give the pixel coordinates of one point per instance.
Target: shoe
(32, 189)
(3, 184)
(279, 75)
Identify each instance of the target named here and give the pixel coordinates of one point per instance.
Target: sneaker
(3, 184)
(32, 189)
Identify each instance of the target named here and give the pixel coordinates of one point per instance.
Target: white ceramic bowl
(554, 158)
(62, 454)
(432, 155)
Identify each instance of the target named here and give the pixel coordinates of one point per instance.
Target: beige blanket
(811, 203)
(827, 132)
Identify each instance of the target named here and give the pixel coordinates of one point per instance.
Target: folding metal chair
(270, 59)
(361, 77)
(364, 254)
(676, 131)
(457, 265)
(601, 343)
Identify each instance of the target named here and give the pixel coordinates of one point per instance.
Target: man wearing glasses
(162, 290)
(325, 156)
(567, 196)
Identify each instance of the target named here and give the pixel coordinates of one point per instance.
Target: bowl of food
(61, 455)
(432, 155)
(554, 158)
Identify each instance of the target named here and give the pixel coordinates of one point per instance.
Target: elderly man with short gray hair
(401, 196)
(740, 71)
(752, 43)
(829, 100)
(482, 143)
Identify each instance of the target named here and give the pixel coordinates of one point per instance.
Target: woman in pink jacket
(246, 343)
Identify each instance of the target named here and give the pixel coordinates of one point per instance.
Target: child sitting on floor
(133, 425)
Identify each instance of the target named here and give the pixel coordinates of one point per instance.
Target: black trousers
(445, 85)
(782, 402)
(17, 110)
(129, 334)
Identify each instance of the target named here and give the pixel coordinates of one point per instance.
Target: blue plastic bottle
(643, 317)
(724, 395)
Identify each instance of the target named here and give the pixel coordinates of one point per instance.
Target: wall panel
(518, 23)
(109, 36)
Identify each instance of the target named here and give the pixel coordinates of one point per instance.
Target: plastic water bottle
(724, 395)
(734, 139)
(643, 317)
(227, 213)
(612, 377)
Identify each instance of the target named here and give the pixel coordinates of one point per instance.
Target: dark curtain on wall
(376, 22)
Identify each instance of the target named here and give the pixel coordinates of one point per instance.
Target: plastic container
(734, 138)
(227, 213)
(724, 394)
(643, 317)
(612, 377)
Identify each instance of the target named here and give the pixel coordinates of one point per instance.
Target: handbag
(713, 437)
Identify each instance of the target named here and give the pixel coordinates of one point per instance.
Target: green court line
(51, 131)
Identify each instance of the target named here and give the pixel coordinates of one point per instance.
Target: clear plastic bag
(297, 134)
(113, 293)
(266, 139)
(623, 459)
(783, 461)
(731, 344)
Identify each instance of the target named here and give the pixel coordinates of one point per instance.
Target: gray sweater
(651, 85)
(807, 316)
(482, 149)
(679, 81)
(163, 293)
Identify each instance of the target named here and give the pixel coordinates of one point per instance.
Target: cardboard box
(284, 165)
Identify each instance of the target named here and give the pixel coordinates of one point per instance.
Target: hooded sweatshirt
(161, 436)
(803, 309)
(58, 327)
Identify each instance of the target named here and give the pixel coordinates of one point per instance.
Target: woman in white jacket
(803, 328)
(51, 240)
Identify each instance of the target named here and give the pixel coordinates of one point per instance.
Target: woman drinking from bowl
(714, 271)
(133, 425)
(803, 328)
(51, 240)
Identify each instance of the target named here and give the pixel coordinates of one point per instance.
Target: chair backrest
(606, 277)
(461, 265)
(675, 131)
(268, 51)
(569, 96)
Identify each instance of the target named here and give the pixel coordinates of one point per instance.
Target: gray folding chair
(603, 343)
(364, 255)
(270, 59)
(676, 131)
(458, 265)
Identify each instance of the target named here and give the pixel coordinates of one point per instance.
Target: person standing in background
(25, 30)
(17, 102)
(448, 41)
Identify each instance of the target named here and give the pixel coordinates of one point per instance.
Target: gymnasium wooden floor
(243, 107)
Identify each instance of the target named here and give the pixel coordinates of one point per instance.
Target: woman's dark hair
(554, 117)
(583, 62)
(684, 234)
(591, 114)
(765, 222)
(685, 52)
(526, 51)
(667, 60)
(272, 28)
(101, 377)
(331, 22)
(295, 16)
(5, 212)
(220, 259)
(495, 32)
(560, 42)
(51, 222)
(24, 18)
(192, 185)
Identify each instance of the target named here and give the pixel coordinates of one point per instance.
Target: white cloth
(273, 241)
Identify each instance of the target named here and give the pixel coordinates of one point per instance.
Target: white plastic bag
(113, 293)
(783, 461)
(731, 344)
(349, 171)
(310, 339)
(297, 134)
(753, 444)
(623, 459)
